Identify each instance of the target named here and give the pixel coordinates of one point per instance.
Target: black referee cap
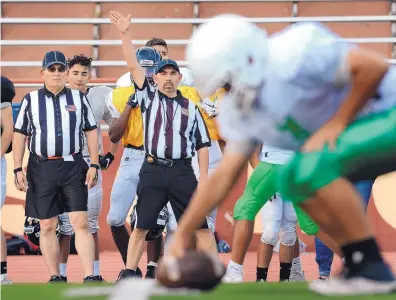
(54, 57)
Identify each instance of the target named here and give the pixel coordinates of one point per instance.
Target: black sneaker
(57, 279)
(150, 274)
(100, 278)
(93, 279)
(139, 273)
(126, 274)
(64, 278)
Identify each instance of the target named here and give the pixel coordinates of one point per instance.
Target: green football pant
(365, 150)
(259, 189)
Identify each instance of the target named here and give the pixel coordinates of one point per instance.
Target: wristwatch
(97, 167)
(17, 170)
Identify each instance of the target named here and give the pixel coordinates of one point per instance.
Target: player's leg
(4, 278)
(271, 215)
(324, 255)
(122, 195)
(260, 188)
(297, 273)
(288, 239)
(95, 196)
(364, 151)
(66, 230)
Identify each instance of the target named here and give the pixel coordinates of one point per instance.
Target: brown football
(195, 270)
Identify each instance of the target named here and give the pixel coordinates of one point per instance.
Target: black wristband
(97, 167)
(17, 170)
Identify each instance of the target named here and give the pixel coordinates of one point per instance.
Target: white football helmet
(228, 49)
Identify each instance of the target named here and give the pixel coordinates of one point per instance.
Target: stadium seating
(32, 27)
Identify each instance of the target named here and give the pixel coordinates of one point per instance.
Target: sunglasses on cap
(60, 69)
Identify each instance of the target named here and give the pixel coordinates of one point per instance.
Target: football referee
(54, 119)
(173, 131)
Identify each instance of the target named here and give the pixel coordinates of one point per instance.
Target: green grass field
(246, 291)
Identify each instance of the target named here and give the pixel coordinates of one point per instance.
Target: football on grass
(195, 270)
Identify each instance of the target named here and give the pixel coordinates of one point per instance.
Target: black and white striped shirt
(55, 124)
(173, 127)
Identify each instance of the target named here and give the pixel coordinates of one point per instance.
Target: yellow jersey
(133, 134)
(191, 94)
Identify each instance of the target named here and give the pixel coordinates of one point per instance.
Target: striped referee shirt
(54, 124)
(173, 127)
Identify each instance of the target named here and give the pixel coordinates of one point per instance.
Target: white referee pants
(124, 188)
(95, 196)
(278, 215)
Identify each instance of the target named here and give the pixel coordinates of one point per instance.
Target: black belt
(166, 162)
(134, 147)
(76, 156)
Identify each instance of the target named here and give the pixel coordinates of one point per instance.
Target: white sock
(235, 268)
(62, 269)
(151, 263)
(296, 264)
(96, 268)
(3, 276)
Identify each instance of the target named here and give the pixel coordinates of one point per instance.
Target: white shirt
(308, 81)
(97, 99)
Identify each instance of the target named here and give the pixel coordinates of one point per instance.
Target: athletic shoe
(261, 281)
(57, 279)
(126, 274)
(93, 279)
(374, 278)
(150, 274)
(100, 278)
(296, 276)
(64, 278)
(5, 280)
(139, 273)
(232, 277)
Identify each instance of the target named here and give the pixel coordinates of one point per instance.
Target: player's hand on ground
(122, 23)
(91, 178)
(328, 135)
(21, 182)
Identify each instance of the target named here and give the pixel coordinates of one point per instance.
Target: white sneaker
(6, 280)
(297, 275)
(337, 286)
(232, 277)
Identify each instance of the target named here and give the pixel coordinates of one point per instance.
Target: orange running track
(32, 269)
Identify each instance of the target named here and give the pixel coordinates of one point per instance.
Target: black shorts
(159, 185)
(56, 186)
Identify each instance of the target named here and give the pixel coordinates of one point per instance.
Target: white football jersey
(97, 99)
(308, 81)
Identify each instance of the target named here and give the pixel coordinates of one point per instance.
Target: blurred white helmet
(228, 49)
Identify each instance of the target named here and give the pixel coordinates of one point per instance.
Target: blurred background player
(78, 78)
(7, 126)
(128, 126)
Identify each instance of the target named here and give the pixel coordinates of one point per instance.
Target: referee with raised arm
(173, 131)
(54, 119)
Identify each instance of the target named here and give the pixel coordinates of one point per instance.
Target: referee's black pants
(158, 185)
(55, 186)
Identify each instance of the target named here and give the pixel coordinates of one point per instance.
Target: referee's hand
(92, 177)
(21, 182)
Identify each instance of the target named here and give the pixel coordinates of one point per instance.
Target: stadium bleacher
(31, 27)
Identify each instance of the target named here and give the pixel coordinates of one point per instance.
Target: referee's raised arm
(123, 25)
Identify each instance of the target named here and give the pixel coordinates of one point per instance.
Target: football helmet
(32, 230)
(161, 223)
